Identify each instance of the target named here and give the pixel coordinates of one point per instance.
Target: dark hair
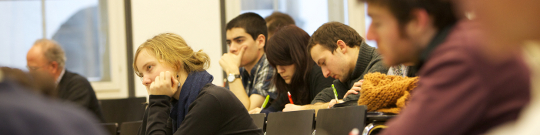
(276, 20)
(442, 11)
(252, 23)
(288, 46)
(329, 33)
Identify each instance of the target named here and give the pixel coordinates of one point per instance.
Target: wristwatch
(232, 77)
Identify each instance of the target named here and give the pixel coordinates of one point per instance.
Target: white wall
(359, 20)
(357, 16)
(198, 22)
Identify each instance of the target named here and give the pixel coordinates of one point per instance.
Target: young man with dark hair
(277, 20)
(459, 91)
(248, 71)
(343, 55)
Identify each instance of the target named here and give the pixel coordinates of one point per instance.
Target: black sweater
(368, 61)
(215, 111)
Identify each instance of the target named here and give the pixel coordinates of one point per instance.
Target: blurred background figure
(465, 93)
(37, 81)
(47, 57)
(25, 113)
(508, 24)
(512, 27)
(277, 20)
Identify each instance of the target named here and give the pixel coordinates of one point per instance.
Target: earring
(178, 79)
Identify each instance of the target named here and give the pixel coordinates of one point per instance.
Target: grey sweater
(368, 61)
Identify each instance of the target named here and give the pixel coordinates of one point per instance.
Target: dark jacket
(368, 61)
(76, 89)
(215, 111)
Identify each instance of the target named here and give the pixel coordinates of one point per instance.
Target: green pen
(265, 101)
(335, 92)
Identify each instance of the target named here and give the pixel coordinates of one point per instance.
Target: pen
(335, 93)
(265, 101)
(290, 99)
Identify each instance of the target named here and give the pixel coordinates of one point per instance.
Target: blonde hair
(52, 51)
(173, 50)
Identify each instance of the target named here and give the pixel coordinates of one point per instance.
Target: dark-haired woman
(296, 73)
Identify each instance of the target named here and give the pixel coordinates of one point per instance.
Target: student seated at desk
(246, 66)
(343, 55)
(183, 99)
(295, 72)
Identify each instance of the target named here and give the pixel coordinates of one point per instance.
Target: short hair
(329, 33)
(251, 22)
(52, 51)
(173, 50)
(442, 11)
(277, 20)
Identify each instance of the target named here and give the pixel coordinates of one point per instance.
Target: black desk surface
(341, 120)
(290, 123)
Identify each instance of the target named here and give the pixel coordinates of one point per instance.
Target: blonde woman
(183, 99)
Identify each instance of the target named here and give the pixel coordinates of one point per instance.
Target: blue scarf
(189, 92)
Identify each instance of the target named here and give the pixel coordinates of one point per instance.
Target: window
(76, 25)
(80, 29)
(311, 14)
(87, 30)
(308, 14)
(21, 25)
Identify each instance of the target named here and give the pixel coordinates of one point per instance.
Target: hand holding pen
(290, 99)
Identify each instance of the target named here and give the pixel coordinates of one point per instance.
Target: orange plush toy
(386, 93)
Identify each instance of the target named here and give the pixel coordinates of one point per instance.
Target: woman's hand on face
(164, 84)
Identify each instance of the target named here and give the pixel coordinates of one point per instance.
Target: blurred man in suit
(47, 56)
